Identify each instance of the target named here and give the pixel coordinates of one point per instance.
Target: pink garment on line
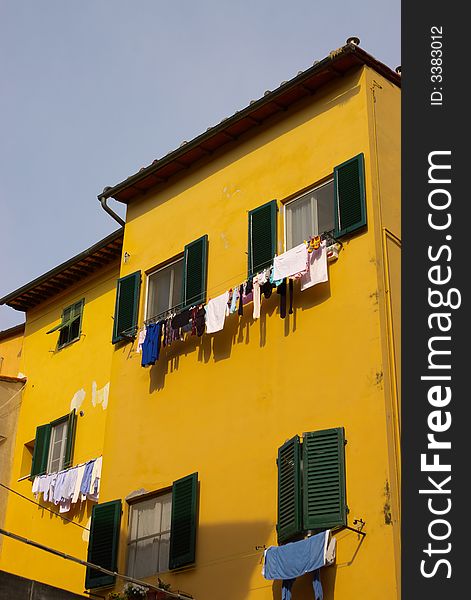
(317, 271)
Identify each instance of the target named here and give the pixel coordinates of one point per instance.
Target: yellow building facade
(215, 411)
(63, 375)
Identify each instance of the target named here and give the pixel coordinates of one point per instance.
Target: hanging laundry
(297, 558)
(235, 297)
(151, 346)
(267, 289)
(281, 290)
(241, 301)
(291, 292)
(78, 483)
(256, 298)
(181, 319)
(86, 479)
(290, 263)
(140, 339)
(216, 313)
(317, 268)
(95, 480)
(200, 321)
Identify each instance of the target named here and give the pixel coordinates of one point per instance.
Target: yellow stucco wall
(222, 405)
(57, 382)
(10, 353)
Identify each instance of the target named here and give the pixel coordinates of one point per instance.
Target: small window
(310, 214)
(54, 445)
(70, 325)
(149, 536)
(57, 446)
(164, 289)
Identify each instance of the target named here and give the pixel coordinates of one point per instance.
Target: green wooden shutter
(41, 450)
(262, 237)
(103, 543)
(349, 195)
(70, 441)
(195, 272)
(183, 527)
(324, 479)
(127, 307)
(289, 490)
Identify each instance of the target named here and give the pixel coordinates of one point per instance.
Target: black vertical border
(427, 128)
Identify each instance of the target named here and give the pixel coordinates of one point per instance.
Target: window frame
(53, 424)
(67, 323)
(298, 196)
(153, 271)
(135, 501)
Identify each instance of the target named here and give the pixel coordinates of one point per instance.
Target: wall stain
(387, 504)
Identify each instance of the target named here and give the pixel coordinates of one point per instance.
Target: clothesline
(68, 486)
(327, 236)
(307, 262)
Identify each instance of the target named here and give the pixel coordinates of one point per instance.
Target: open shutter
(195, 272)
(349, 195)
(289, 490)
(69, 446)
(324, 479)
(183, 527)
(41, 450)
(262, 237)
(103, 543)
(127, 306)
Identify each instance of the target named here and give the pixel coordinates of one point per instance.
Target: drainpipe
(102, 198)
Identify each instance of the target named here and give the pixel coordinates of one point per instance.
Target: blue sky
(94, 89)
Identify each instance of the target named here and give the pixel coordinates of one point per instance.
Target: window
(310, 214)
(164, 289)
(57, 446)
(70, 325)
(311, 483)
(149, 536)
(103, 543)
(53, 445)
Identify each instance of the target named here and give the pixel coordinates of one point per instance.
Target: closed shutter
(195, 272)
(349, 194)
(69, 447)
(103, 543)
(41, 450)
(324, 479)
(262, 237)
(127, 306)
(289, 490)
(183, 527)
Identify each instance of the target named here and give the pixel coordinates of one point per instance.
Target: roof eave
(362, 57)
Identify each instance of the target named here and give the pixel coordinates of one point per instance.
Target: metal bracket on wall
(359, 529)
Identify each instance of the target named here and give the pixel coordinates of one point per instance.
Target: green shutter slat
(349, 194)
(324, 479)
(195, 272)
(103, 543)
(69, 447)
(184, 517)
(262, 237)
(126, 307)
(289, 490)
(41, 450)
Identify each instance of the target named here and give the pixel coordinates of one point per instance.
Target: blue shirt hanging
(151, 345)
(295, 559)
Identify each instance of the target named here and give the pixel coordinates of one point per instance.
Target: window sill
(69, 343)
